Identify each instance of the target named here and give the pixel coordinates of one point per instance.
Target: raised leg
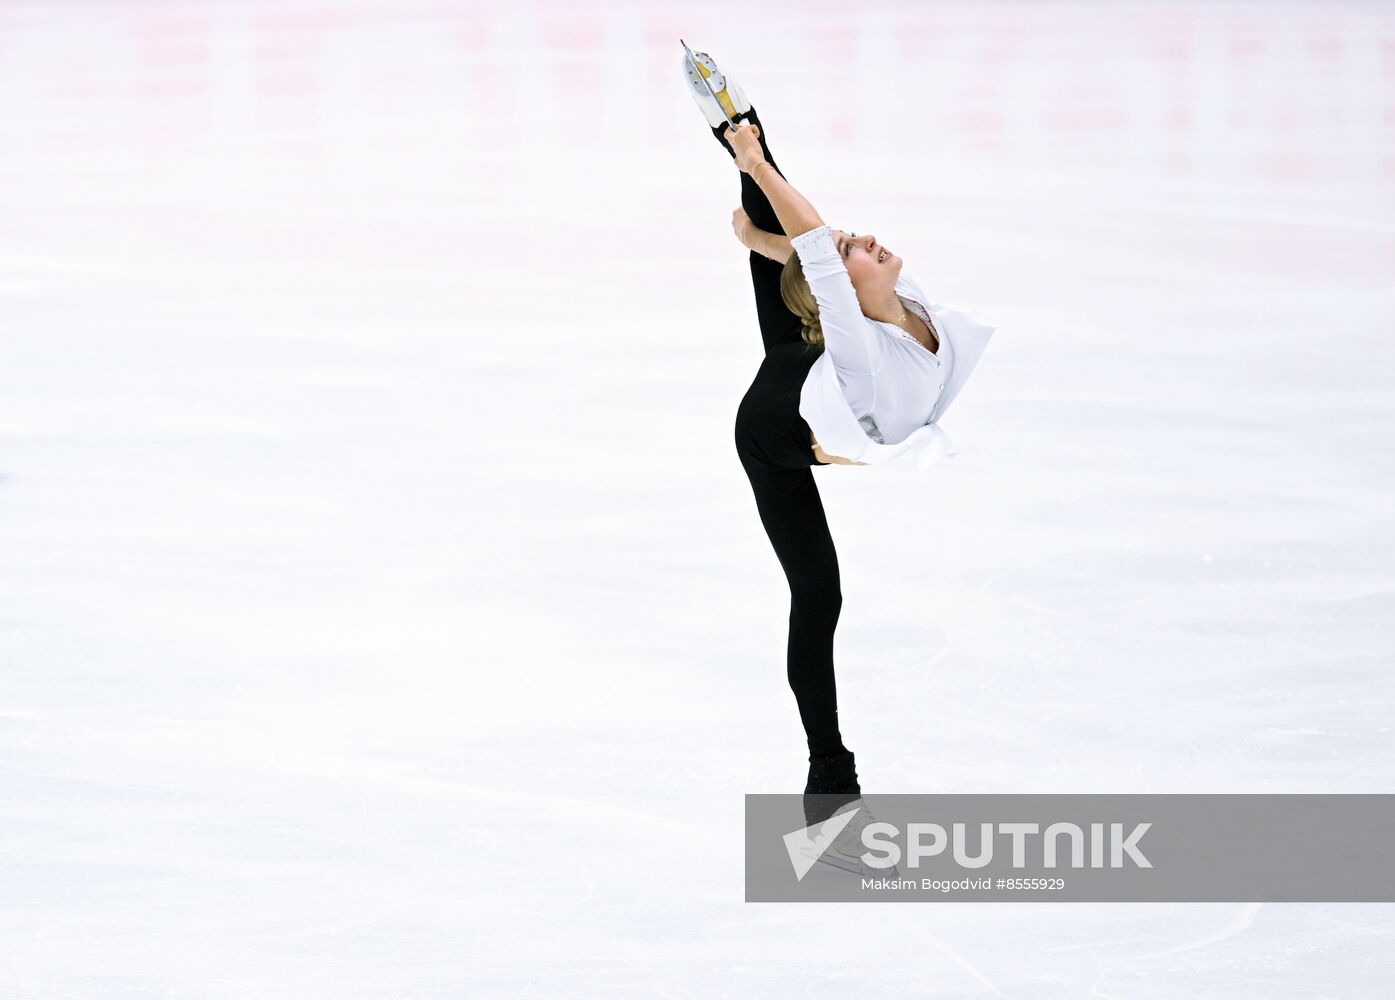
(753, 199)
(777, 324)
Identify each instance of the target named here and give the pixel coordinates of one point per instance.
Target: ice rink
(384, 612)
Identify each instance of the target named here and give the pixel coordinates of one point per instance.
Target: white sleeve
(855, 345)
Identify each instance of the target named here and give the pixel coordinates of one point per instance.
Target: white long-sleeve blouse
(876, 393)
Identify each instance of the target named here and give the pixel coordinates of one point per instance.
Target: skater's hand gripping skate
(745, 143)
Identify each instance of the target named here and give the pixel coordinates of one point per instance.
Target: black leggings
(773, 442)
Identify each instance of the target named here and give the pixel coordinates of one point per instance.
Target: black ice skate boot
(847, 849)
(832, 784)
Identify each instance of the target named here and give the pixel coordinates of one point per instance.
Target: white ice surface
(342, 655)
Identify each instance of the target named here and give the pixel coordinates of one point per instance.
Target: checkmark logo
(806, 845)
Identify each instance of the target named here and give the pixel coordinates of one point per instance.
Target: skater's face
(872, 267)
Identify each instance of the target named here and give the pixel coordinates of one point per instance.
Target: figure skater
(858, 368)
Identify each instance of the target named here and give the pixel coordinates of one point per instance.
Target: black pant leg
(753, 199)
(793, 516)
(772, 441)
(777, 324)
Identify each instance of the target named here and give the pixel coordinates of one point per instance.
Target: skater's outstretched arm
(853, 341)
(793, 210)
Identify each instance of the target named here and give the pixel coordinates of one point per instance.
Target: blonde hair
(799, 299)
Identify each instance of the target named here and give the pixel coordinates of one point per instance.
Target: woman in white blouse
(893, 361)
(858, 367)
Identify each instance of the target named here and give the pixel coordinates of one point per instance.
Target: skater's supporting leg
(792, 513)
(772, 443)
